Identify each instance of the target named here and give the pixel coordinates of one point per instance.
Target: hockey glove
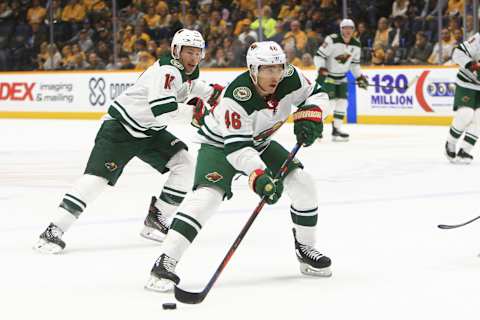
(199, 111)
(262, 182)
(322, 75)
(473, 66)
(215, 96)
(307, 124)
(362, 82)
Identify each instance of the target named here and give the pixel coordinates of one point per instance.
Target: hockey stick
(453, 226)
(197, 297)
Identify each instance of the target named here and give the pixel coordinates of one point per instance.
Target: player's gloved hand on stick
(215, 96)
(322, 75)
(362, 82)
(307, 124)
(199, 111)
(262, 182)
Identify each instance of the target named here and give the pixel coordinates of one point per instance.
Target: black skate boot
(312, 262)
(50, 240)
(339, 136)
(162, 276)
(155, 225)
(450, 152)
(463, 157)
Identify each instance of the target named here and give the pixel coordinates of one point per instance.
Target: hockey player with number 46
(135, 126)
(339, 53)
(466, 103)
(236, 138)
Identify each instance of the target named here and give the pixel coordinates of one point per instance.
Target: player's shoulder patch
(290, 71)
(177, 64)
(242, 93)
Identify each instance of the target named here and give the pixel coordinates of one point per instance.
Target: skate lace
(310, 252)
(169, 263)
(161, 218)
(54, 232)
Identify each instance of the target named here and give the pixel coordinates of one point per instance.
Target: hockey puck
(169, 306)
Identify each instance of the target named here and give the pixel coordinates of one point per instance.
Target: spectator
(84, 41)
(175, 23)
(36, 13)
(145, 60)
(152, 20)
(207, 62)
(389, 59)
(381, 36)
(247, 32)
(94, 62)
(447, 48)
(220, 58)
(455, 7)
(128, 39)
(67, 56)
(363, 35)
(103, 51)
(399, 36)
(74, 12)
(125, 63)
(292, 58)
(140, 34)
(378, 54)
(54, 58)
(79, 63)
(279, 33)
(295, 36)
(457, 36)
(469, 32)
(399, 8)
(268, 23)
(307, 61)
(421, 51)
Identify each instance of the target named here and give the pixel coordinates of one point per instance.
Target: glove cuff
(252, 179)
(310, 113)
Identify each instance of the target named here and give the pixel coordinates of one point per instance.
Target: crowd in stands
(390, 32)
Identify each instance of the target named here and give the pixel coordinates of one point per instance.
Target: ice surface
(381, 196)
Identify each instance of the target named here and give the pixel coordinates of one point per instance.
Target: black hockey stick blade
(453, 226)
(189, 297)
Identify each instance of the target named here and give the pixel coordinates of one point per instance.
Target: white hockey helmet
(262, 54)
(186, 37)
(347, 23)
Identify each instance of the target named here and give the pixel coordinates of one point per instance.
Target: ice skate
(162, 276)
(50, 240)
(312, 262)
(463, 157)
(450, 152)
(339, 136)
(155, 225)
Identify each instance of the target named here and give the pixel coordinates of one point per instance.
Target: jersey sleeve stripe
(160, 109)
(211, 132)
(126, 117)
(161, 99)
(207, 135)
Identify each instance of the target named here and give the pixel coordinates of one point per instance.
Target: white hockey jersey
(148, 105)
(464, 54)
(244, 122)
(339, 57)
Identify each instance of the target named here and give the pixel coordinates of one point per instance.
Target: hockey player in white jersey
(466, 103)
(135, 126)
(339, 53)
(237, 139)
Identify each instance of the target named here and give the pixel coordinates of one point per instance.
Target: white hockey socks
(179, 182)
(471, 133)
(191, 216)
(339, 112)
(85, 190)
(303, 192)
(462, 119)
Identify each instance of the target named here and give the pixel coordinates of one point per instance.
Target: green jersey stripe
(161, 99)
(235, 146)
(160, 109)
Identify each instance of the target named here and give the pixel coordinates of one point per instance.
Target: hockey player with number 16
(237, 139)
(135, 126)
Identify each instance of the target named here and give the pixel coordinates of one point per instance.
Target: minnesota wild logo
(214, 176)
(267, 133)
(242, 93)
(342, 58)
(177, 64)
(111, 166)
(290, 71)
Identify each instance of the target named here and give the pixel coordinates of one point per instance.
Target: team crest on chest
(242, 93)
(176, 64)
(214, 176)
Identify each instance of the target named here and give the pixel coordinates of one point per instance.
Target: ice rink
(381, 197)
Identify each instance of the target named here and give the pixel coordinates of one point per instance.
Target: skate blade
(46, 247)
(159, 285)
(152, 234)
(314, 272)
(463, 161)
(339, 139)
